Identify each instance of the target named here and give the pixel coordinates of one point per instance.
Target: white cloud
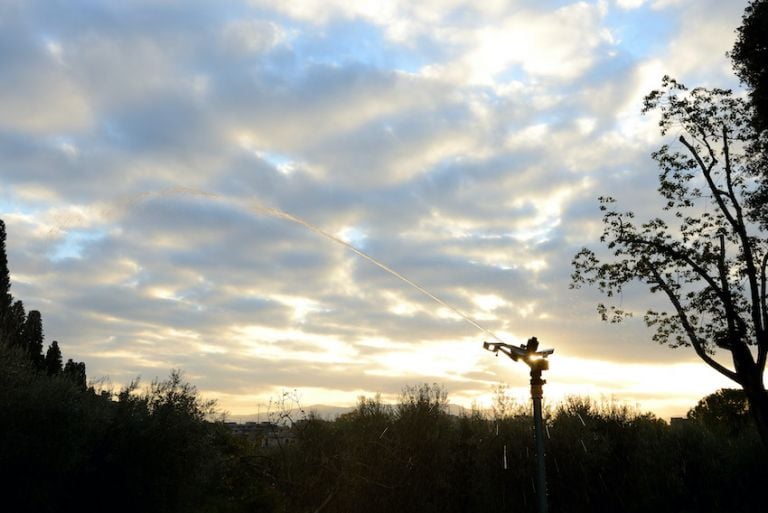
(629, 4)
(707, 32)
(559, 45)
(253, 36)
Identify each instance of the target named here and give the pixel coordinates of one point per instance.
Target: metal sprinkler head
(536, 360)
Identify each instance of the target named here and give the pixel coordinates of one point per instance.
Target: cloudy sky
(462, 143)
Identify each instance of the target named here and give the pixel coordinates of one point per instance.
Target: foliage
(725, 410)
(75, 372)
(5, 278)
(750, 55)
(32, 337)
(703, 254)
(610, 456)
(13, 327)
(64, 448)
(159, 452)
(48, 429)
(53, 363)
(601, 457)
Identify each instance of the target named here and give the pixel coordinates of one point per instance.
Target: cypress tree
(5, 288)
(75, 371)
(53, 365)
(14, 324)
(33, 337)
(5, 275)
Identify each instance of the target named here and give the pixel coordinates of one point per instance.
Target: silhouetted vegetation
(749, 55)
(601, 457)
(65, 448)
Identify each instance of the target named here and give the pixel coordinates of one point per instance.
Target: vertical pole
(538, 434)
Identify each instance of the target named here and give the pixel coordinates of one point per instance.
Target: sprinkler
(537, 361)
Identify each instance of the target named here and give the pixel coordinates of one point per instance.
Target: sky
(149, 148)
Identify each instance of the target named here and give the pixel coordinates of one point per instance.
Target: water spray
(281, 214)
(294, 219)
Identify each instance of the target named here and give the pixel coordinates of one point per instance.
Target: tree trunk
(751, 380)
(757, 397)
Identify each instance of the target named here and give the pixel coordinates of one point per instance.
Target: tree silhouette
(14, 324)
(75, 372)
(12, 314)
(726, 410)
(25, 331)
(711, 263)
(5, 279)
(53, 361)
(32, 334)
(750, 59)
(5, 287)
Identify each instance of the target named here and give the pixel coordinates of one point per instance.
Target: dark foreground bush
(417, 458)
(63, 448)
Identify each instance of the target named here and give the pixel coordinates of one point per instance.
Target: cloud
(252, 36)
(462, 144)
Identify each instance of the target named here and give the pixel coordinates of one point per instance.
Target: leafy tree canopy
(750, 58)
(704, 253)
(725, 410)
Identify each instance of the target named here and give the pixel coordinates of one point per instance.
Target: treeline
(417, 457)
(63, 448)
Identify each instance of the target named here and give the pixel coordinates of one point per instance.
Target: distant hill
(324, 411)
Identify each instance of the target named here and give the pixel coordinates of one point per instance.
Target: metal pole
(538, 434)
(537, 361)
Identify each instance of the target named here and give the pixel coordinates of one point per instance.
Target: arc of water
(281, 214)
(290, 217)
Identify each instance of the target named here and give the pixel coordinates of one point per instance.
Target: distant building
(678, 421)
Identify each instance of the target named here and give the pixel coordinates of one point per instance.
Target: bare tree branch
(677, 255)
(730, 312)
(689, 329)
(707, 172)
(757, 317)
